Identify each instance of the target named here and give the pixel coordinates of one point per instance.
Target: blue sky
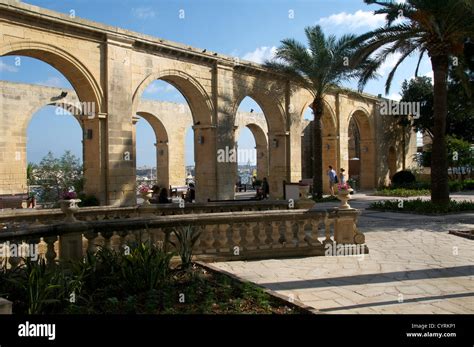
(249, 29)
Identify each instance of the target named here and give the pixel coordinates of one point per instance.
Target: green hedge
(422, 206)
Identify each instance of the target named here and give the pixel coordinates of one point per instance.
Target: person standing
(265, 188)
(342, 176)
(332, 179)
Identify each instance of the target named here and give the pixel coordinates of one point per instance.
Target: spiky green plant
(186, 238)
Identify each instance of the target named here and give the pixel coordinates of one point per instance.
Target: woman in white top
(342, 176)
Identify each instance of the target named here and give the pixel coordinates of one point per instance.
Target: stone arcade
(110, 68)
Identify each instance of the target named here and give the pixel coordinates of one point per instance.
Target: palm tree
(438, 28)
(320, 67)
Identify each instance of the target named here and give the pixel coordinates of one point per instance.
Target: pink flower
(344, 186)
(69, 195)
(144, 189)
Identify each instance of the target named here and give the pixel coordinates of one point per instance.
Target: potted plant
(146, 194)
(68, 205)
(343, 194)
(304, 202)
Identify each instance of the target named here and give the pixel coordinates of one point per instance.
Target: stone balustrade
(19, 218)
(224, 236)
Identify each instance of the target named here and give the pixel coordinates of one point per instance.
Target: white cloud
(143, 12)
(389, 64)
(260, 54)
(157, 88)
(7, 68)
(359, 19)
(394, 96)
(430, 75)
(55, 82)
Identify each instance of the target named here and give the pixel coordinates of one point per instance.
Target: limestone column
(94, 145)
(162, 160)
(121, 172)
(205, 158)
(278, 163)
(225, 134)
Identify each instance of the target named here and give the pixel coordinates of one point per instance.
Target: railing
(224, 236)
(14, 219)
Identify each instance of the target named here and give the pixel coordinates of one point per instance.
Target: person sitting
(191, 193)
(163, 197)
(155, 195)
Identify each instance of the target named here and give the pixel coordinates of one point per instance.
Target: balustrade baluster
(261, 236)
(277, 239)
(249, 236)
(50, 254)
(289, 234)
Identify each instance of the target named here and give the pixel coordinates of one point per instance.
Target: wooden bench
(13, 200)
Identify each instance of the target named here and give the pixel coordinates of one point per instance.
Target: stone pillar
(121, 172)
(345, 227)
(162, 166)
(225, 134)
(330, 157)
(205, 158)
(294, 153)
(94, 147)
(367, 164)
(262, 160)
(278, 163)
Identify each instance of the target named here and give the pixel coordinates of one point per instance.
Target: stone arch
(67, 106)
(86, 86)
(202, 111)
(271, 108)
(330, 151)
(196, 96)
(364, 125)
(261, 143)
(277, 138)
(162, 149)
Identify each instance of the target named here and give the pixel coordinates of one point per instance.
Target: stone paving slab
(416, 268)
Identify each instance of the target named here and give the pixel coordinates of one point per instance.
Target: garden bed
(142, 282)
(468, 234)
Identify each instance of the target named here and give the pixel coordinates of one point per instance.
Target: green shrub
(146, 268)
(422, 206)
(402, 192)
(468, 185)
(455, 186)
(186, 238)
(402, 178)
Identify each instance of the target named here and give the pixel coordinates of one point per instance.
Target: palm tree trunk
(317, 108)
(439, 163)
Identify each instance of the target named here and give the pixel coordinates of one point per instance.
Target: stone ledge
(6, 306)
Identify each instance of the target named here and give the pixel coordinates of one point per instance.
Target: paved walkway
(414, 266)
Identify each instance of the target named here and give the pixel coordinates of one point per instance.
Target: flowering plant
(344, 186)
(69, 195)
(144, 189)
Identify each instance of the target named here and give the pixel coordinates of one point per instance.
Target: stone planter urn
(304, 202)
(146, 196)
(344, 196)
(69, 207)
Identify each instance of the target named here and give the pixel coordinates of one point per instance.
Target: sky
(248, 29)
